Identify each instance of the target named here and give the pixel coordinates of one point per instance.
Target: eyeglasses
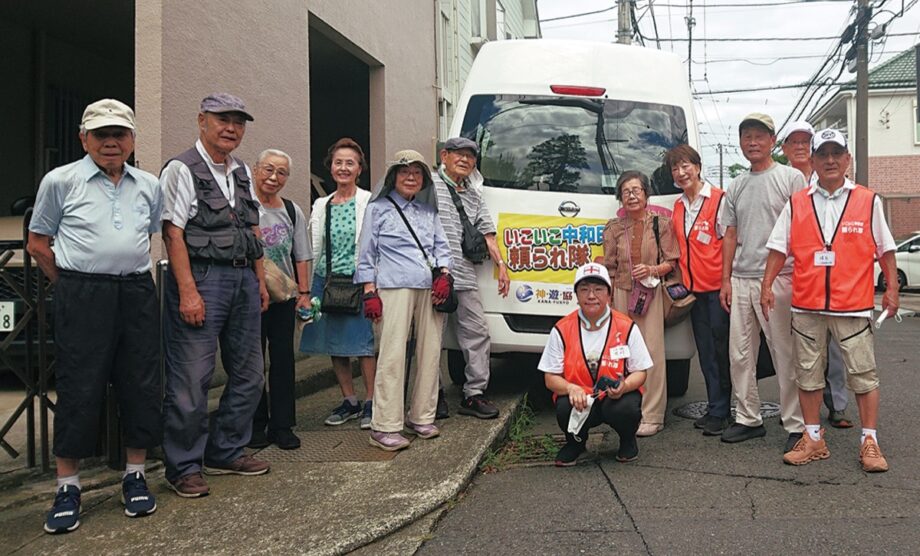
(633, 192)
(268, 171)
(463, 154)
(596, 290)
(407, 171)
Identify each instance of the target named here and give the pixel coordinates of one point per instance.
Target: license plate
(7, 316)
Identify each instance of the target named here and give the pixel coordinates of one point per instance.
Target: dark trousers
(623, 415)
(232, 317)
(106, 330)
(276, 408)
(710, 329)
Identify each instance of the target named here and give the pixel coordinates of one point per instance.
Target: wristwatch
(307, 292)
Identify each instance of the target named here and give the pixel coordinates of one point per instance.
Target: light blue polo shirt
(98, 227)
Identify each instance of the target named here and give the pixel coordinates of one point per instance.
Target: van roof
(530, 66)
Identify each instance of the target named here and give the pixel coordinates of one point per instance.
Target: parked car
(907, 256)
(557, 122)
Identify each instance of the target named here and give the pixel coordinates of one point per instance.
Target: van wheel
(456, 366)
(678, 377)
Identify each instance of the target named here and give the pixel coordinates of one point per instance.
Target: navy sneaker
(64, 516)
(136, 497)
(344, 413)
(367, 415)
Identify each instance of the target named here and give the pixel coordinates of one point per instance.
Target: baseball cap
(457, 143)
(829, 135)
(592, 270)
(798, 126)
(762, 119)
(107, 112)
(220, 103)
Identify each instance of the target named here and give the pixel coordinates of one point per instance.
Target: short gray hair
(274, 152)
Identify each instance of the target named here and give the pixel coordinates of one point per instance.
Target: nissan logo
(569, 208)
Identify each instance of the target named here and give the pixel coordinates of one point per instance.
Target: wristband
(304, 292)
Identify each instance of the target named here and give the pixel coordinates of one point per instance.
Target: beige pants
(744, 343)
(400, 308)
(854, 334)
(651, 324)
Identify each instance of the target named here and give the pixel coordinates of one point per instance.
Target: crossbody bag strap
(328, 240)
(459, 204)
(657, 236)
(411, 231)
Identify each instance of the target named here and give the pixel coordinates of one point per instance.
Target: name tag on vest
(619, 352)
(703, 238)
(825, 258)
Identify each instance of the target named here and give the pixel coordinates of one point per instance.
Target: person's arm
(775, 261)
(191, 305)
(560, 386)
(366, 269)
(891, 298)
(670, 249)
(39, 247)
(504, 281)
(610, 251)
(303, 284)
(729, 244)
(259, 267)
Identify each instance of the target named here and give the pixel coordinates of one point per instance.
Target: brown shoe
(806, 450)
(192, 485)
(243, 465)
(871, 458)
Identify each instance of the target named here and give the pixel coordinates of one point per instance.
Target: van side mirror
(913, 248)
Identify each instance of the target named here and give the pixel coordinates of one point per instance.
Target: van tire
(678, 371)
(456, 366)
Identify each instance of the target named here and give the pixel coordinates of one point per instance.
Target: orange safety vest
(574, 363)
(700, 262)
(847, 285)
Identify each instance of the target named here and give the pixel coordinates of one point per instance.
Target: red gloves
(373, 306)
(440, 286)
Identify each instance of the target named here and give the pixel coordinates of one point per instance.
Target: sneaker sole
(735, 440)
(423, 436)
(181, 494)
(627, 460)
(137, 514)
(386, 448)
(365, 426)
(218, 471)
(566, 463)
(343, 421)
(61, 530)
(813, 457)
(478, 415)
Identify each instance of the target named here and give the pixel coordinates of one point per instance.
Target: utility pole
(690, 23)
(862, 93)
(721, 169)
(624, 22)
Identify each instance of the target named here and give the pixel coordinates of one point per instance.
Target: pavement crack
(751, 497)
(629, 515)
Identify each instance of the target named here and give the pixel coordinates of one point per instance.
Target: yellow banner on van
(548, 248)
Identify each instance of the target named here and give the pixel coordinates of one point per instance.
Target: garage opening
(57, 58)
(339, 102)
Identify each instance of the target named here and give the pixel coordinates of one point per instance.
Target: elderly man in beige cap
(754, 201)
(100, 211)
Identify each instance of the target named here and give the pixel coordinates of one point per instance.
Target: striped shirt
(463, 270)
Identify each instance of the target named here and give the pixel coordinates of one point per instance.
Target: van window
(548, 143)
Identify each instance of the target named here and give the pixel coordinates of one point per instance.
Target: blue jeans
(232, 317)
(710, 329)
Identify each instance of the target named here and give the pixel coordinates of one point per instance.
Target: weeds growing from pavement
(520, 446)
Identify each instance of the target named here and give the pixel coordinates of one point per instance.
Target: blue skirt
(337, 335)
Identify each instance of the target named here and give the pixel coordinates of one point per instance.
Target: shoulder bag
(677, 298)
(450, 304)
(340, 294)
(640, 296)
(472, 242)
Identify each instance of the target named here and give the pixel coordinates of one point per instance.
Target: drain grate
(695, 410)
(328, 446)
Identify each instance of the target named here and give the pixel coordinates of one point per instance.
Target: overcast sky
(719, 115)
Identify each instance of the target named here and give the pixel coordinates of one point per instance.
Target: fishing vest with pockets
(847, 285)
(574, 363)
(219, 231)
(700, 261)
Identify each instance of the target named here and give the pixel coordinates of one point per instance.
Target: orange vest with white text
(700, 263)
(574, 363)
(846, 286)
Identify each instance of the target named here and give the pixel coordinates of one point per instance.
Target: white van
(557, 122)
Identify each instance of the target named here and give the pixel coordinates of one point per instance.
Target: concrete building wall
(185, 50)
(892, 125)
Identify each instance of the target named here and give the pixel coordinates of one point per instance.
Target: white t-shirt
(593, 344)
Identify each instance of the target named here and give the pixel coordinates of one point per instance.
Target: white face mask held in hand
(578, 418)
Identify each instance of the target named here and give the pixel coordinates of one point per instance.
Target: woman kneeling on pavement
(594, 363)
(342, 336)
(402, 242)
(637, 258)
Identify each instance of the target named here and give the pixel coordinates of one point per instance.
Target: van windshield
(572, 144)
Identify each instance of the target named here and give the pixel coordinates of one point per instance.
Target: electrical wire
(572, 16)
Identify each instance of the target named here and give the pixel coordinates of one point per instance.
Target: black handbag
(472, 242)
(341, 296)
(450, 304)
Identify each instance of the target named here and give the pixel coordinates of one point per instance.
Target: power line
(578, 15)
(790, 39)
(758, 4)
(755, 89)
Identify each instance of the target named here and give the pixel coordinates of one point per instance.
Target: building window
(476, 18)
(500, 30)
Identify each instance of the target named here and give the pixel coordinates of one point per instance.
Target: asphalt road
(690, 494)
